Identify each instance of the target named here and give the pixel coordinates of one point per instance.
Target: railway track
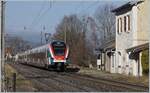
(50, 80)
(115, 83)
(69, 82)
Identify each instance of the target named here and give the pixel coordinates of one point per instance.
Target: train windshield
(59, 48)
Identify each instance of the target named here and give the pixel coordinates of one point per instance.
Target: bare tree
(91, 32)
(72, 28)
(106, 22)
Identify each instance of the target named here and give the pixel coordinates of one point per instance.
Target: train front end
(58, 55)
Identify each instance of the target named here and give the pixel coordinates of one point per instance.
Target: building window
(125, 23)
(128, 18)
(118, 26)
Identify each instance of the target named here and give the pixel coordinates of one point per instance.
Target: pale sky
(27, 18)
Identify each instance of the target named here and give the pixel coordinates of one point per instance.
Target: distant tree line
(17, 44)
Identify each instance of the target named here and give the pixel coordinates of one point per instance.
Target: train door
(49, 59)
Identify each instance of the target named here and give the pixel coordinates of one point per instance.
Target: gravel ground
(144, 80)
(69, 81)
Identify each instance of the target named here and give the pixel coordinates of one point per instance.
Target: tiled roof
(108, 45)
(127, 5)
(138, 48)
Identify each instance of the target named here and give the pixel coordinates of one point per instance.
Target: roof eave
(127, 5)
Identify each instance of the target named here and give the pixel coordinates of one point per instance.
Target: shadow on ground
(68, 69)
(72, 69)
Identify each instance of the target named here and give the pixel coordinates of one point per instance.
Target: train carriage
(52, 55)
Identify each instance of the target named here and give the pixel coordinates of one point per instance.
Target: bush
(145, 61)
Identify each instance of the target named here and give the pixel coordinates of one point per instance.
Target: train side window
(48, 53)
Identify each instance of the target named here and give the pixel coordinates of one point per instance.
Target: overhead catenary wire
(79, 5)
(40, 17)
(91, 5)
(40, 14)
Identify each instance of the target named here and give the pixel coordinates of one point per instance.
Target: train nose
(60, 57)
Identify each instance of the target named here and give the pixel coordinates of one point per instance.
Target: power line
(79, 5)
(91, 5)
(35, 19)
(41, 16)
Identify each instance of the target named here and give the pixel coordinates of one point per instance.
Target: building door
(113, 59)
(119, 62)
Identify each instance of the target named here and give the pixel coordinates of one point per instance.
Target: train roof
(39, 49)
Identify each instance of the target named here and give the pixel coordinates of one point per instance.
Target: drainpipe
(140, 60)
(101, 57)
(104, 60)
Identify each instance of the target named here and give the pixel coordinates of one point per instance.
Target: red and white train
(54, 54)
